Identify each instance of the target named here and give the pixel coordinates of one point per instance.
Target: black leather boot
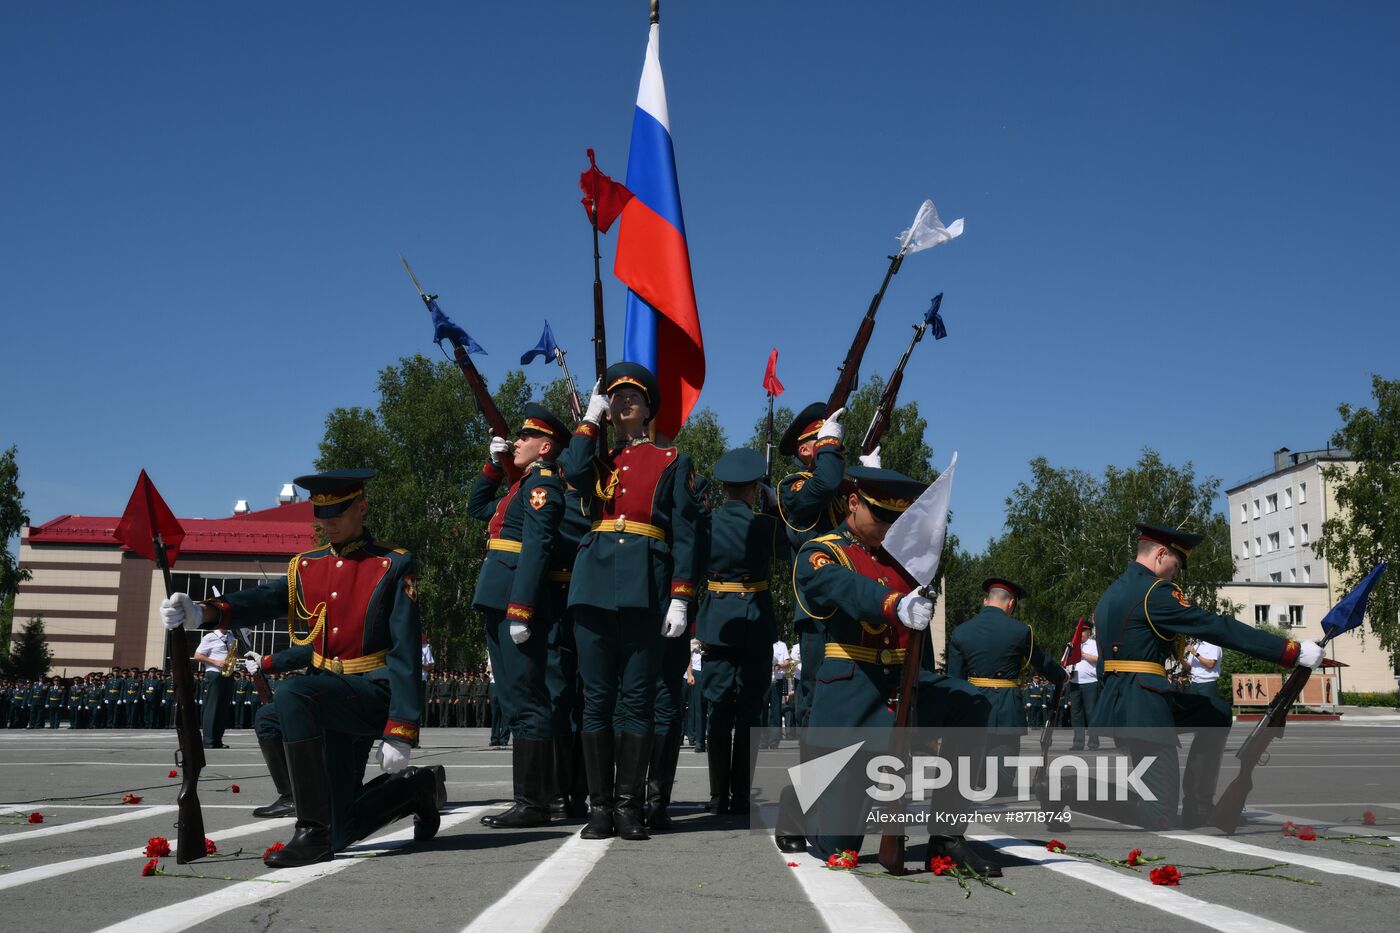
(633, 758)
(661, 778)
(390, 797)
(788, 834)
(532, 763)
(276, 758)
(718, 751)
(572, 788)
(311, 790)
(743, 761)
(598, 764)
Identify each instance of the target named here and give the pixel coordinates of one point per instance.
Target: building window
(1244, 548)
(267, 636)
(1261, 614)
(1302, 493)
(1276, 577)
(1295, 616)
(1258, 546)
(1288, 497)
(1305, 533)
(1244, 511)
(1256, 508)
(1290, 535)
(1307, 573)
(1273, 542)
(1271, 503)
(1292, 574)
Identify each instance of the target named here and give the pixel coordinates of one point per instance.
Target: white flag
(928, 230)
(916, 537)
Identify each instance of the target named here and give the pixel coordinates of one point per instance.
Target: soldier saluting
(362, 652)
(1139, 619)
(633, 580)
(523, 529)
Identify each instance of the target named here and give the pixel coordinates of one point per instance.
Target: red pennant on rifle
(771, 385)
(146, 516)
(1074, 651)
(609, 196)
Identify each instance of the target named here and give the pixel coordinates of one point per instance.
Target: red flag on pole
(146, 516)
(1074, 651)
(771, 385)
(598, 189)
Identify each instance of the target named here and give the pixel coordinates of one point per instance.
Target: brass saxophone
(230, 663)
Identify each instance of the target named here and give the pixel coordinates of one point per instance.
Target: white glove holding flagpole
(597, 405)
(871, 459)
(179, 610)
(928, 231)
(499, 448)
(915, 611)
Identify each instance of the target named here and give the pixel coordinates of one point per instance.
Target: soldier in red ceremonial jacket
(363, 681)
(633, 580)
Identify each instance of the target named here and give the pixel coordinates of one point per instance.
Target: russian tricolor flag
(662, 330)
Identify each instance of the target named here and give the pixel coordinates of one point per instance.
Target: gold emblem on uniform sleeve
(818, 560)
(410, 588)
(797, 484)
(538, 498)
(1181, 598)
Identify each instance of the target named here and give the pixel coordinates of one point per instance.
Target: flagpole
(655, 12)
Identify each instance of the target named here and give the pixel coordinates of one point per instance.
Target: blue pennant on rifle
(934, 319)
(444, 328)
(546, 348)
(1348, 613)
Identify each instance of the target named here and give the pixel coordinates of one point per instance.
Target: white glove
(179, 610)
(675, 624)
(499, 448)
(519, 632)
(597, 404)
(252, 662)
(915, 611)
(871, 459)
(1310, 654)
(831, 427)
(392, 755)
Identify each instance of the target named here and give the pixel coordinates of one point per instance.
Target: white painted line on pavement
(185, 914)
(1316, 862)
(137, 813)
(532, 903)
(53, 870)
(842, 901)
(1138, 890)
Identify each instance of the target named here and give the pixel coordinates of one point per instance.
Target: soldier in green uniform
(512, 596)
(364, 680)
(565, 688)
(131, 699)
(1140, 619)
(167, 701)
(990, 651)
(54, 701)
(38, 697)
(737, 626)
(633, 581)
(243, 687)
(868, 604)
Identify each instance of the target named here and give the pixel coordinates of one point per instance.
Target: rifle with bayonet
(884, 412)
(245, 647)
(484, 402)
(850, 366)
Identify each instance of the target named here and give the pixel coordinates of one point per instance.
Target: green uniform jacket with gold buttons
(809, 504)
(742, 547)
(994, 646)
(1138, 619)
(524, 532)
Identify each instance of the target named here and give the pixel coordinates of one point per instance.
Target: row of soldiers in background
(465, 699)
(123, 699)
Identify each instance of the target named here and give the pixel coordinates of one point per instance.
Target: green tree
(13, 517)
(1365, 529)
(1069, 535)
(30, 656)
(705, 441)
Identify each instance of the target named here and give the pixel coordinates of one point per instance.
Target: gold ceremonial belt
(992, 682)
(1134, 667)
(362, 665)
(623, 526)
(503, 544)
(560, 576)
(868, 655)
(715, 586)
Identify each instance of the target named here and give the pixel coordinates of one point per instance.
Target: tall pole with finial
(655, 12)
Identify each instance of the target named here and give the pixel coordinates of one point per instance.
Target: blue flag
(546, 348)
(1348, 613)
(444, 329)
(934, 319)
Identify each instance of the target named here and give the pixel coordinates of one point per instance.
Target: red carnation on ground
(150, 868)
(234, 788)
(1290, 828)
(1134, 858)
(209, 847)
(941, 864)
(1307, 833)
(1055, 845)
(1368, 818)
(157, 846)
(36, 817)
(131, 798)
(847, 859)
(173, 773)
(1166, 876)
(275, 847)
(792, 865)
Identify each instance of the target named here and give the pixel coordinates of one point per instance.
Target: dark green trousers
(218, 706)
(522, 677)
(619, 656)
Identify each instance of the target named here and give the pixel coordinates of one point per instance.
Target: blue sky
(1180, 219)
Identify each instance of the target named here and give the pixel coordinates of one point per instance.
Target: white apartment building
(1279, 579)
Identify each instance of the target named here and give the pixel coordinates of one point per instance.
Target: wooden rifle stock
(850, 367)
(892, 844)
(1229, 809)
(189, 825)
(259, 678)
(485, 403)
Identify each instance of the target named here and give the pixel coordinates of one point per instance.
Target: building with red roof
(99, 601)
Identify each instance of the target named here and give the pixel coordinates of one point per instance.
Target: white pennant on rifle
(916, 537)
(928, 231)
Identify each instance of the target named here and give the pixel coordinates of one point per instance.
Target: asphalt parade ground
(80, 869)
